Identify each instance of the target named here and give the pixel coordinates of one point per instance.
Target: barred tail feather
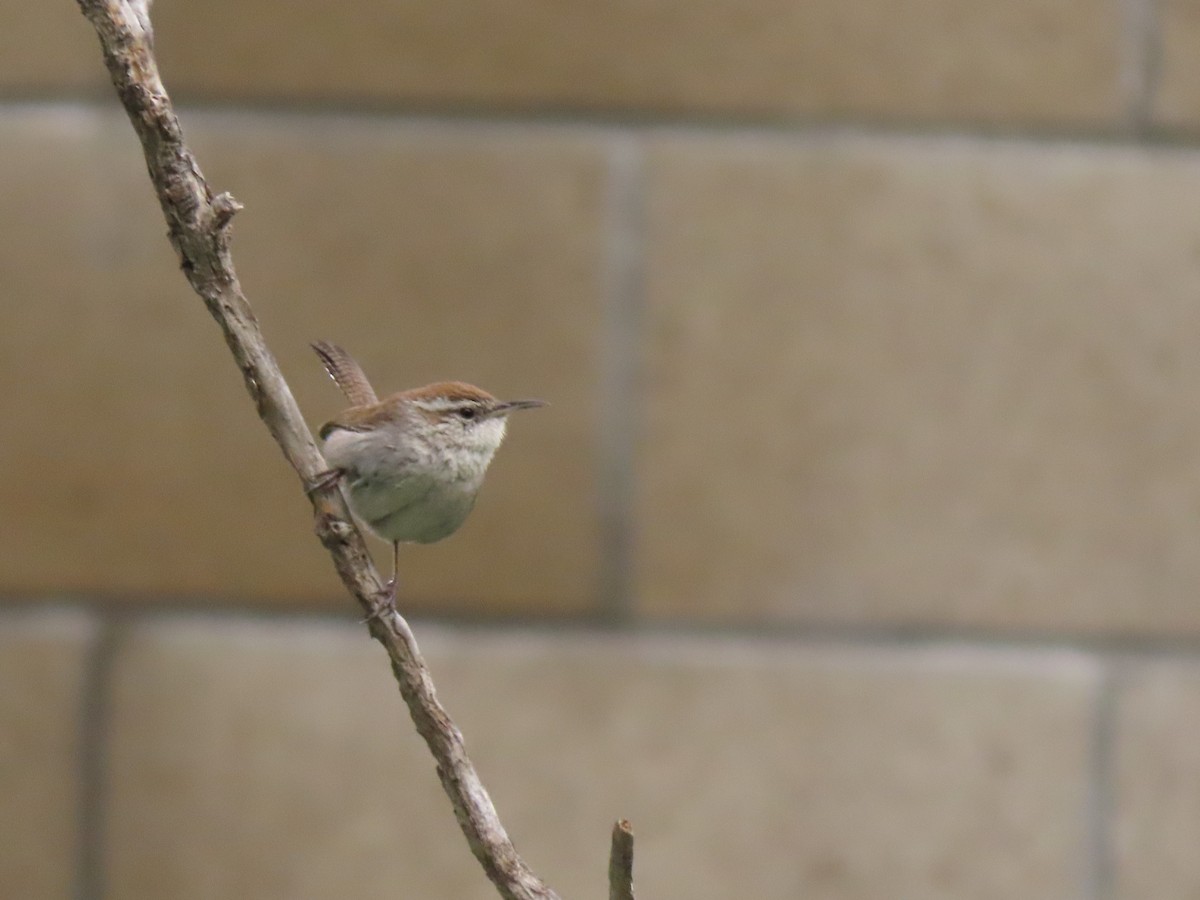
(346, 373)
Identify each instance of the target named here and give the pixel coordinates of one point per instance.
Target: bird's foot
(383, 604)
(322, 481)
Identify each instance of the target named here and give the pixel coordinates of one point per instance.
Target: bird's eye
(467, 413)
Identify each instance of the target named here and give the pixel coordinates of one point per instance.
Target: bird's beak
(503, 409)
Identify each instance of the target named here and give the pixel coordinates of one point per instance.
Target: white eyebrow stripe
(442, 404)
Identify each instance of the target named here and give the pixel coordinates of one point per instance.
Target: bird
(411, 464)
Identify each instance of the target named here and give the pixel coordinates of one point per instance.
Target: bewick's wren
(412, 463)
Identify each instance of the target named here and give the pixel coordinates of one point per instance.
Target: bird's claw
(384, 603)
(322, 480)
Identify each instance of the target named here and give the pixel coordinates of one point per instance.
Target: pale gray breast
(420, 508)
(406, 490)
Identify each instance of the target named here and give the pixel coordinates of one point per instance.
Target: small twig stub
(620, 862)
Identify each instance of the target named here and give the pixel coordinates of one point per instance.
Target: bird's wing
(363, 418)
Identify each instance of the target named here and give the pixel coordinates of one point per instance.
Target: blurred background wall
(856, 557)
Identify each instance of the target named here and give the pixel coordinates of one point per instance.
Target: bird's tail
(346, 373)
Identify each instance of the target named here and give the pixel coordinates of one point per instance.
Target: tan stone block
(1043, 61)
(1176, 101)
(274, 759)
(42, 662)
(136, 464)
(921, 382)
(1157, 809)
(131, 446)
(48, 46)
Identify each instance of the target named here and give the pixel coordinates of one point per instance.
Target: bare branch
(620, 862)
(199, 228)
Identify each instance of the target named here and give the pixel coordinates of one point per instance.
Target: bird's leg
(323, 480)
(395, 583)
(385, 602)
